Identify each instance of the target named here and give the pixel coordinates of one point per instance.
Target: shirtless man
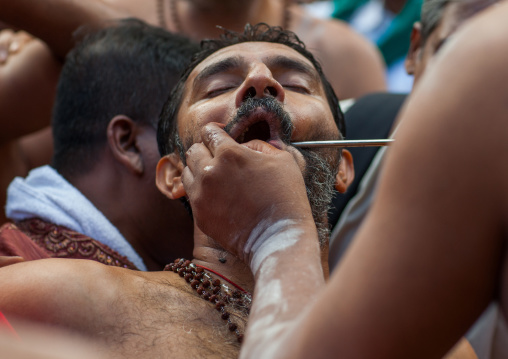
(352, 64)
(421, 278)
(269, 88)
(110, 94)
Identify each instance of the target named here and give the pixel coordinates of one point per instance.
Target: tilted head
(263, 84)
(439, 20)
(111, 91)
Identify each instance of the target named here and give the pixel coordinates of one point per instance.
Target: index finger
(213, 137)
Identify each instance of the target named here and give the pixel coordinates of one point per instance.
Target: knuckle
(211, 137)
(192, 149)
(230, 154)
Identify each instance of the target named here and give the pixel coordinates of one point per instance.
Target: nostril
(271, 91)
(250, 93)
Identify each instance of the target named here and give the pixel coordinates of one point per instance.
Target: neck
(208, 254)
(230, 14)
(158, 229)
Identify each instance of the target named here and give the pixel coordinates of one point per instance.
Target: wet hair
(432, 13)
(128, 68)
(167, 133)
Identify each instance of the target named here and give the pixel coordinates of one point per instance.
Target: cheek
(313, 122)
(199, 115)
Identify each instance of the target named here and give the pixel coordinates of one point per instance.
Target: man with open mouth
(265, 89)
(261, 85)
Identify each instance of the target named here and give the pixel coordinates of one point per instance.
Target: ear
(168, 176)
(414, 52)
(122, 135)
(346, 172)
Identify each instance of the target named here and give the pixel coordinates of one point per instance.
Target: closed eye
(296, 88)
(218, 91)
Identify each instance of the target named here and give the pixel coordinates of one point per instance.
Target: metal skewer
(344, 143)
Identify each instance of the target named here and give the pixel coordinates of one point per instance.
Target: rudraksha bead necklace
(214, 291)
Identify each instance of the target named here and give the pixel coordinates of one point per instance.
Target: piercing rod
(344, 143)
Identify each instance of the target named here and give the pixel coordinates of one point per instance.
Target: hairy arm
(428, 259)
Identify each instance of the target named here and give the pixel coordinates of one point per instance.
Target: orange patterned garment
(36, 239)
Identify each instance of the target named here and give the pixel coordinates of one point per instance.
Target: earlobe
(122, 135)
(169, 176)
(414, 49)
(346, 172)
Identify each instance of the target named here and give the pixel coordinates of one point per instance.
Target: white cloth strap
(45, 194)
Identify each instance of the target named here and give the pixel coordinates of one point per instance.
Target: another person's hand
(243, 194)
(11, 42)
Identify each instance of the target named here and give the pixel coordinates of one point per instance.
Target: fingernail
(3, 55)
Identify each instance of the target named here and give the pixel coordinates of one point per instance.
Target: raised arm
(54, 21)
(29, 70)
(261, 214)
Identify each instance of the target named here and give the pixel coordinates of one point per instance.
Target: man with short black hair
(98, 200)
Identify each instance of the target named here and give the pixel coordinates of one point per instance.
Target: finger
(19, 40)
(198, 157)
(5, 42)
(213, 136)
(188, 180)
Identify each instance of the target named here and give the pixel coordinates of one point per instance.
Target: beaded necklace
(214, 291)
(286, 16)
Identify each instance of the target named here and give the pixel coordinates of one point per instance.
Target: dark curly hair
(167, 133)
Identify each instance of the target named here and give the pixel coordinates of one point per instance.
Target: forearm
(289, 274)
(27, 88)
(54, 21)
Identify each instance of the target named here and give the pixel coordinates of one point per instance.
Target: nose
(259, 83)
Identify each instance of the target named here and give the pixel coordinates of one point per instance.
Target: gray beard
(321, 164)
(319, 176)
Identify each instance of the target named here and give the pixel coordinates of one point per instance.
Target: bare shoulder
(326, 32)
(64, 283)
(352, 64)
(145, 314)
(144, 10)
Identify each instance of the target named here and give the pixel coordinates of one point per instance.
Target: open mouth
(260, 125)
(257, 131)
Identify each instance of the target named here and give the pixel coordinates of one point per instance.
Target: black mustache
(271, 106)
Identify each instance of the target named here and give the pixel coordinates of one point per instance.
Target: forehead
(247, 54)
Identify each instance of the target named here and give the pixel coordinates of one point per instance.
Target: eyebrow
(219, 67)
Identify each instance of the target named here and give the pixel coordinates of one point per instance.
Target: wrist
(270, 237)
